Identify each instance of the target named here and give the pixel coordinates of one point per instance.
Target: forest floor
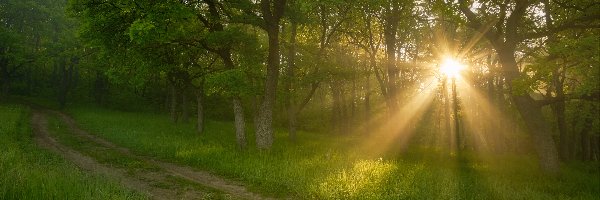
(88, 152)
(158, 179)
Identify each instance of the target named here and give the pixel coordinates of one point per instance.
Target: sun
(451, 68)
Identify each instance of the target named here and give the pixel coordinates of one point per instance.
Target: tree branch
(552, 100)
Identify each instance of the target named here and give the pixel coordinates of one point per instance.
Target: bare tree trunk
(240, 132)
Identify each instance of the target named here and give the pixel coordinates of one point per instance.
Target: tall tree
(272, 11)
(505, 31)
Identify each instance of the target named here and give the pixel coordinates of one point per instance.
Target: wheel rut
(158, 184)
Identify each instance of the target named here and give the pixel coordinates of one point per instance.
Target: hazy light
(451, 68)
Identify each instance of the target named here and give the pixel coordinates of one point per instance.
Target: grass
(27, 172)
(134, 166)
(325, 167)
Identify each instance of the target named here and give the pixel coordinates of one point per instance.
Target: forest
(299, 99)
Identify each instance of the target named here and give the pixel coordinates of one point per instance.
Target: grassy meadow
(320, 166)
(28, 172)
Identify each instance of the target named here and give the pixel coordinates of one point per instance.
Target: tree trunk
(291, 110)
(240, 132)
(66, 76)
(174, 114)
(200, 110)
(4, 79)
(559, 111)
(353, 100)
(595, 146)
(344, 119)
(389, 32)
(447, 130)
(272, 13)
(185, 106)
(585, 146)
(367, 114)
(505, 42)
(531, 112)
(238, 111)
(100, 88)
(586, 138)
(336, 108)
(455, 116)
(559, 107)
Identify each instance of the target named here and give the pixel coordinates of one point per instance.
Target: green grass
(326, 167)
(27, 172)
(114, 158)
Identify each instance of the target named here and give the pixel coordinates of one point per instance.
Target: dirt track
(149, 182)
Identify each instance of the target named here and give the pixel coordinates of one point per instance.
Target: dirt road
(164, 182)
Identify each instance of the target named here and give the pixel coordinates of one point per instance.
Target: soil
(157, 184)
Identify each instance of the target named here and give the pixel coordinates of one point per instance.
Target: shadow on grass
(471, 183)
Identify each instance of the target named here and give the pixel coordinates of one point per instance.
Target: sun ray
(397, 130)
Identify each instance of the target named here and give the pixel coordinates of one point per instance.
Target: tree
(505, 31)
(272, 12)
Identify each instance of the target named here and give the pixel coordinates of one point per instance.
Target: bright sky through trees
(451, 68)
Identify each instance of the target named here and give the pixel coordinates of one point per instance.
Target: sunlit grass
(336, 167)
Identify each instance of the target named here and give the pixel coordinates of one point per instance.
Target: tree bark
(531, 112)
(272, 13)
(240, 132)
(238, 111)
